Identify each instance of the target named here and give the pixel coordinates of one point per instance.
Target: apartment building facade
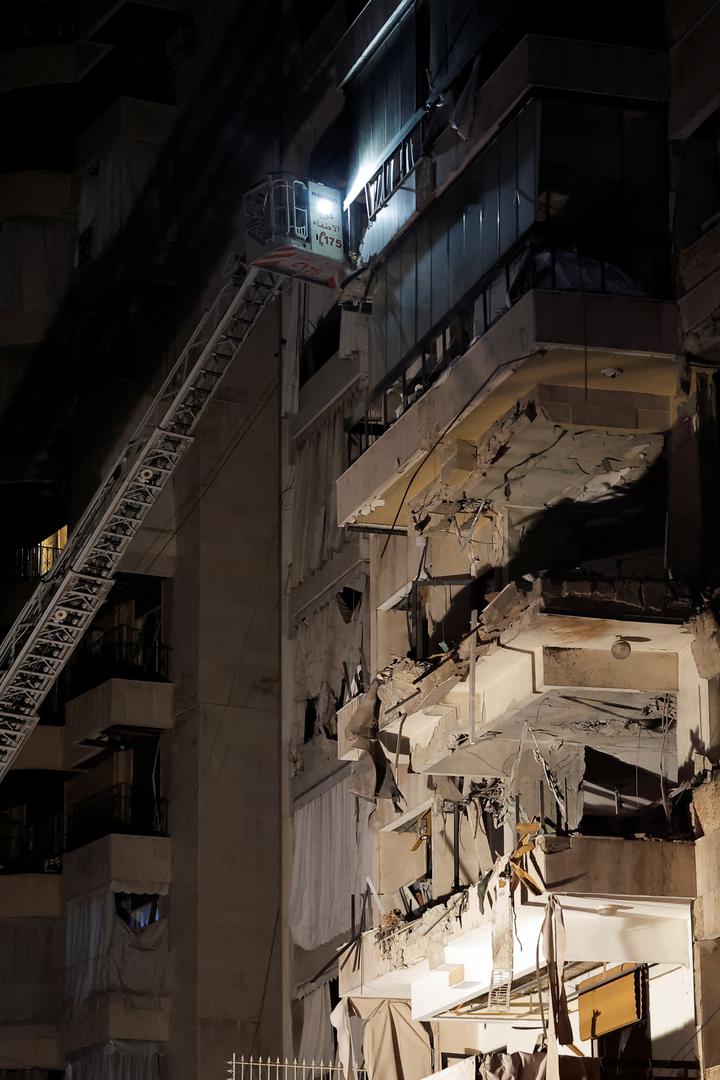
(499, 607)
(394, 743)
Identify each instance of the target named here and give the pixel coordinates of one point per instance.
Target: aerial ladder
(294, 228)
(57, 615)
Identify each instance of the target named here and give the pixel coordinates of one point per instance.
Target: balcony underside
(539, 341)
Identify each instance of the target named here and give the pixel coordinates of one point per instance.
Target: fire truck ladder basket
(55, 618)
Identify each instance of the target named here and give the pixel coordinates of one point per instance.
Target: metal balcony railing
(242, 1068)
(120, 653)
(119, 809)
(32, 849)
(29, 563)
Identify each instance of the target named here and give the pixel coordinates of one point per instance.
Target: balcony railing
(29, 563)
(241, 1068)
(120, 809)
(118, 654)
(32, 849)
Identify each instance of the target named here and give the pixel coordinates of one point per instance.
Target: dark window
(310, 719)
(139, 910)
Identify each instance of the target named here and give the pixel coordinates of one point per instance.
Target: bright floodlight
(324, 206)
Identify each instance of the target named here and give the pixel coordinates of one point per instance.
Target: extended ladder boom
(54, 620)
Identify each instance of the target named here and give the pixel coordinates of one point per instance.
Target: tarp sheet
(395, 1046)
(103, 955)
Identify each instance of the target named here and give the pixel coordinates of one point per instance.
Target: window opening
(311, 718)
(139, 910)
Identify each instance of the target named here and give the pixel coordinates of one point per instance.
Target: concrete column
(225, 800)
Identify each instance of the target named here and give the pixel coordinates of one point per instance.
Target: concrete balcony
(538, 341)
(444, 959)
(126, 703)
(113, 1019)
(134, 864)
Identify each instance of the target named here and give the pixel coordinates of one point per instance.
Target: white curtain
(88, 929)
(331, 858)
(316, 1043)
(117, 1060)
(35, 263)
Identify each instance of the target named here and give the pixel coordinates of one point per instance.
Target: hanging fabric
(394, 1046)
(316, 1042)
(332, 856)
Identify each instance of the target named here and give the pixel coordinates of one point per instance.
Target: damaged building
(360, 682)
(526, 729)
